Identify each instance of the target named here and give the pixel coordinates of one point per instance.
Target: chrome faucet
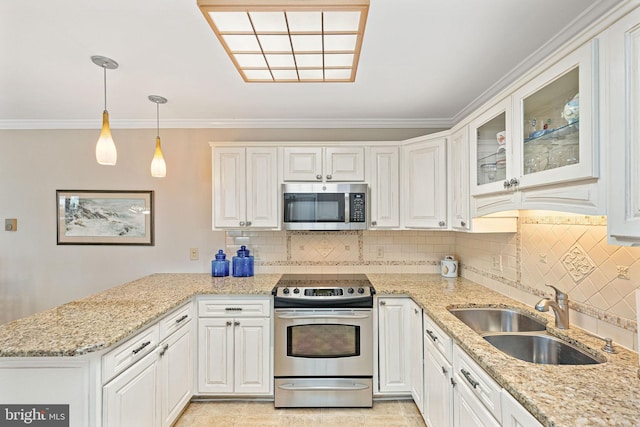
(560, 307)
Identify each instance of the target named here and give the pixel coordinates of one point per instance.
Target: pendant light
(106, 153)
(158, 165)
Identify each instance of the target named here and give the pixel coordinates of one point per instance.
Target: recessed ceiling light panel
(289, 40)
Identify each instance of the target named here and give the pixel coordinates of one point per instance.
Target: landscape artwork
(105, 217)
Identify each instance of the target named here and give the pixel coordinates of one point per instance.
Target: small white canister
(449, 267)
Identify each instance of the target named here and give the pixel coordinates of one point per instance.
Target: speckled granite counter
(590, 395)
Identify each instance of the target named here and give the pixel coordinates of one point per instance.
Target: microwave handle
(347, 208)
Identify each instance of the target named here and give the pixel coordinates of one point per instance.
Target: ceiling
(424, 63)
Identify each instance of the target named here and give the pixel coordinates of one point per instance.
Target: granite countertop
(588, 395)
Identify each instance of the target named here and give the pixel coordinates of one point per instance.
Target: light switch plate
(11, 224)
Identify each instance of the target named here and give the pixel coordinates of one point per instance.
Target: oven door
(323, 342)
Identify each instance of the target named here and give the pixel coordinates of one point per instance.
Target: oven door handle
(323, 316)
(293, 387)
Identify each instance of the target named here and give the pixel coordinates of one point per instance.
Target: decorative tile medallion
(577, 263)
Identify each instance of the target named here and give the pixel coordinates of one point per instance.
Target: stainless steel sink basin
(497, 320)
(540, 348)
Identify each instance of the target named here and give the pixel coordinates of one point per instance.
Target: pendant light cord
(104, 68)
(158, 119)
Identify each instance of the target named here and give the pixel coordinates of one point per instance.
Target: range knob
(296, 291)
(361, 290)
(285, 291)
(350, 290)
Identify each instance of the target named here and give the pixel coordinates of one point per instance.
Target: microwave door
(302, 211)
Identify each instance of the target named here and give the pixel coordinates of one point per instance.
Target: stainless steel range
(323, 341)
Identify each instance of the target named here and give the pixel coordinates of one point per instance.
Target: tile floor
(386, 413)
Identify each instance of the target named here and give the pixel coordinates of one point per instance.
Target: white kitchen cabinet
(154, 390)
(234, 347)
(459, 192)
(384, 187)
(514, 414)
(438, 390)
(323, 164)
(477, 397)
(245, 187)
(416, 354)
(394, 342)
(424, 183)
(623, 49)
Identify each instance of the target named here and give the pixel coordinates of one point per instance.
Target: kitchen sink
(497, 320)
(540, 348)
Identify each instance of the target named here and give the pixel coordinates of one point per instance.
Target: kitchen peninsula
(600, 394)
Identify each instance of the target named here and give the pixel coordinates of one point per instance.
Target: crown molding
(232, 124)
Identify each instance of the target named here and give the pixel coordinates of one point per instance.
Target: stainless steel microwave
(326, 206)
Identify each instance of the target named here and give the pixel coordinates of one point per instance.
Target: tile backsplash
(569, 251)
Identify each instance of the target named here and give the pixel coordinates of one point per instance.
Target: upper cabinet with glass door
(491, 148)
(555, 115)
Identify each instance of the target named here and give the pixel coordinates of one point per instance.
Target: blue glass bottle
(220, 265)
(243, 263)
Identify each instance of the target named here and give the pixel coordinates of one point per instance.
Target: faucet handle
(559, 294)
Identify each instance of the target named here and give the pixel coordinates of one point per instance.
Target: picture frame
(105, 217)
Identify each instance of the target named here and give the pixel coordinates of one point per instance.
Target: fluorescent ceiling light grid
(288, 40)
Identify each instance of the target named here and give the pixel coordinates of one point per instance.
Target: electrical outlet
(542, 258)
(194, 254)
(380, 251)
(11, 224)
(496, 263)
(623, 272)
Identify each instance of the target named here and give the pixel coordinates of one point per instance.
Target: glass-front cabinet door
(491, 149)
(554, 116)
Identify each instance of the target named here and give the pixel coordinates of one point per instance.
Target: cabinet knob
(248, 223)
(506, 184)
(514, 181)
(228, 322)
(442, 223)
(241, 223)
(444, 370)
(383, 303)
(463, 224)
(329, 176)
(236, 323)
(374, 223)
(318, 176)
(415, 310)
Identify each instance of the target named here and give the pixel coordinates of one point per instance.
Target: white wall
(36, 274)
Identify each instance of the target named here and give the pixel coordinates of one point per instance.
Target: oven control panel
(311, 293)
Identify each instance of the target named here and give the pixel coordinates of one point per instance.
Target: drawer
(438, 338)
(129, 352)
(259, 307)
(478, 381)
(175, 320)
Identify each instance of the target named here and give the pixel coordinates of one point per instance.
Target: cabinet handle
(164, 350)
(142, 346)
(453, 382)
(442, 223)
(186, 316)
(329, 176)
(236, 323)
(431, 335)
(469, 378)
(415, 310)
(318, 176)
(248, 223)
(444, 370)
(463, 224)
(233, 309)
(241, 223)
(383, 303)
(228, 322)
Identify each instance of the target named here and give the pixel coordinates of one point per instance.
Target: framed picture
(105, 217)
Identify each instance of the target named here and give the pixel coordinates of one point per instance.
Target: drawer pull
(469, 378)
(233, 309)
(444, 370)
(431, 335)
(142, 346)
(186, 316)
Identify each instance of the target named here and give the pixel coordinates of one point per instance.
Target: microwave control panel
(357, 207)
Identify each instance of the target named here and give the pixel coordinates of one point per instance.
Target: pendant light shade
(106, 153)
(158, 165)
